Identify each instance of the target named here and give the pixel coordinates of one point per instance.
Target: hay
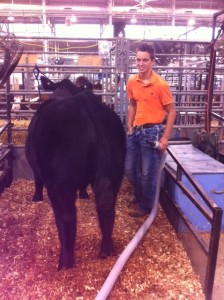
(158, 269)
(18, 136)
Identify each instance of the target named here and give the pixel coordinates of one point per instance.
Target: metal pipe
(211, 74)
(117, 268)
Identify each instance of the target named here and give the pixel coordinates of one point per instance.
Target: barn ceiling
(150, 12)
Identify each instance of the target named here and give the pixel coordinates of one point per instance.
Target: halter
(36, 73)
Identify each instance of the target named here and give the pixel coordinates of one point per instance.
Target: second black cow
(72, 142)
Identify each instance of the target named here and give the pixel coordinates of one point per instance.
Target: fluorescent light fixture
(191, 22)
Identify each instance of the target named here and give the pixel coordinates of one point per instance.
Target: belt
(144, 126)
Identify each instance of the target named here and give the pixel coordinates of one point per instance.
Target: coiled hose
(118, 266)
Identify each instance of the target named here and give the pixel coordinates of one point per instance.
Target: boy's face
(144, 62)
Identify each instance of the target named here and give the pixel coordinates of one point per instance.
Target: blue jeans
(142, 164)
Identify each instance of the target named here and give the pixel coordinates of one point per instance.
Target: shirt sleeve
(129, 89)
(166, 95)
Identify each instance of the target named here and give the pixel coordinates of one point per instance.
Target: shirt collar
(152, 77)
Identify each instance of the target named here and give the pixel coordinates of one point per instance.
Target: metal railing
(178, 219)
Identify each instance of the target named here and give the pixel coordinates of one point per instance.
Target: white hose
(116, 270)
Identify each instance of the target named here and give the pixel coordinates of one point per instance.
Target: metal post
(211, 75)
(45, 42)
(213, 253)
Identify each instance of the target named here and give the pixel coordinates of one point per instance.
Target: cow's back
(78, 136)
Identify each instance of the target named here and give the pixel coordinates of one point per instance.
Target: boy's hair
(144, 47)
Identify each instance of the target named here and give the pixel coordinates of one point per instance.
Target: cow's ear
(47, 84)
(89, 86)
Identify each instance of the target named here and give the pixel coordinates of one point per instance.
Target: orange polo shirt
(150, 98)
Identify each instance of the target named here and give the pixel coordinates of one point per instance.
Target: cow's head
(64, 87)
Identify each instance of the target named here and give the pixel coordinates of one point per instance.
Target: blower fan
(10, 52)
(219, 41)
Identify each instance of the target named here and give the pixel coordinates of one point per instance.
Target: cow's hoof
(38, 197)
(83, 194)
(37, 200)
(107, 250)
(62, 267)
(66, 262)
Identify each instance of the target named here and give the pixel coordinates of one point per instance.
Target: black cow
(65, 88)
(72, 142)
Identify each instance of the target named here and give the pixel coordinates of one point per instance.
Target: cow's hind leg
(38, 194)
(62, 201)
(105, 202)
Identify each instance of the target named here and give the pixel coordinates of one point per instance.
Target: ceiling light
(69, 21)
(10, 18)
(133, 20)
(191, 22)
(73, 19)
